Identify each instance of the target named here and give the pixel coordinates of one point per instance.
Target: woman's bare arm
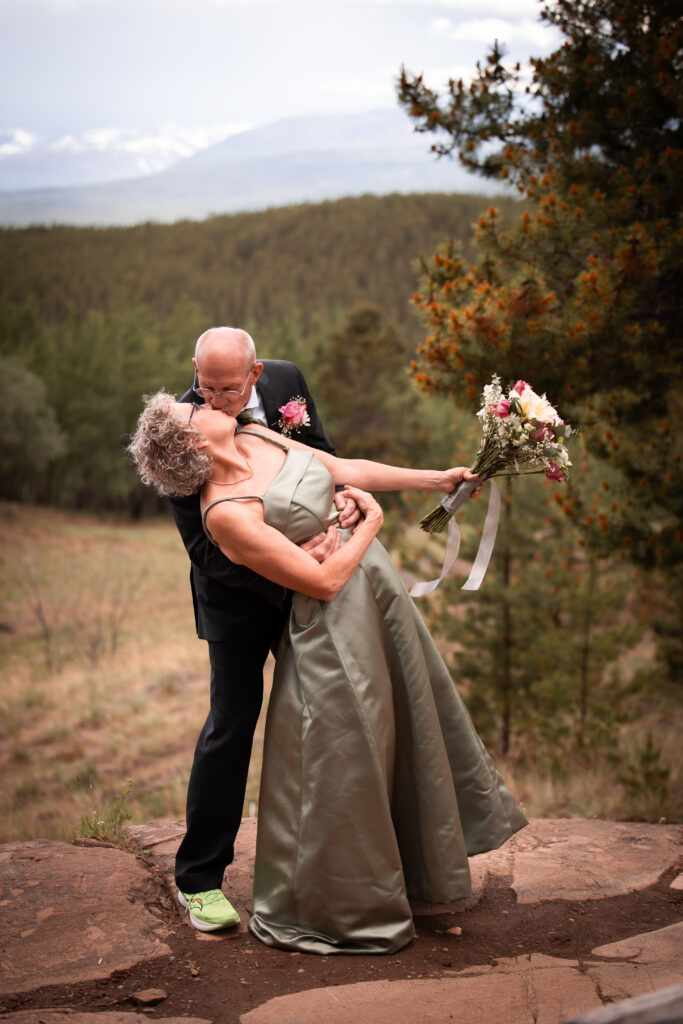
(246, 539)
(376, 476)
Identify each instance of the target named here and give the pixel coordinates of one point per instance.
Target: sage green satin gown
(375, 786)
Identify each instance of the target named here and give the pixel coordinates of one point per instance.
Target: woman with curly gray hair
(375, 786)
(165, 449)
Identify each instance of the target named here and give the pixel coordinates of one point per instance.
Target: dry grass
(102, 676)
(591, 787)
(102, 680)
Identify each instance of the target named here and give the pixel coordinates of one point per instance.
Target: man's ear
(257, 371)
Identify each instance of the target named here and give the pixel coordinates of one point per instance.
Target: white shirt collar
(255, 404)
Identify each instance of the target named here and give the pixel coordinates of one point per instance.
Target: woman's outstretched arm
(246, 539)
(376, 476)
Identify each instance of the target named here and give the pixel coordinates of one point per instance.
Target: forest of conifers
(97, 317)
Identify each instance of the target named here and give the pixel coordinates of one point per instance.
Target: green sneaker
(209, 911)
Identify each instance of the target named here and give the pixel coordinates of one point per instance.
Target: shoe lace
(204, 899)
(212, 896)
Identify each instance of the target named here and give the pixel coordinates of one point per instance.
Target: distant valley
(306, 159)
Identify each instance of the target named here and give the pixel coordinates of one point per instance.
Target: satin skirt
(375, 785)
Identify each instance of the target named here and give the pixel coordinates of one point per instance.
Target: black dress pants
(215, 796)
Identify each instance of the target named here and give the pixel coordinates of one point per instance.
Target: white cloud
(440, 26)
(69, 6)
(436, 77)
(103, 139)
(518, 35)
(16, 142)
(66, 144)
(484, 30)
(139, 63)
(522, 8)
(200, 136)
(376, 86)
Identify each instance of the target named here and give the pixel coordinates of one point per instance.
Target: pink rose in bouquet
(544, 433)
(553, 472)
(502, 409)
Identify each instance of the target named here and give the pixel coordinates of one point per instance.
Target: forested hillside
(90, 319)
(257, 267)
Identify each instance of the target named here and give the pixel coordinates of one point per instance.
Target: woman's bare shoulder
(234, 507)
(233, 523)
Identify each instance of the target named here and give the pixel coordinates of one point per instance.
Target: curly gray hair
(165, 451)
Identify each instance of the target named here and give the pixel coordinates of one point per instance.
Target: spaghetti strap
(242, 497)
(217, 501)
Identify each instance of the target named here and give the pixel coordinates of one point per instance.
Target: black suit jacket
(212, 573)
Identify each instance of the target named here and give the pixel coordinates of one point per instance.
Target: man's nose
(217, 401)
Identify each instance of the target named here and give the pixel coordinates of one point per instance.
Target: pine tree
(31, 438)
(582, 295)
(536, 647)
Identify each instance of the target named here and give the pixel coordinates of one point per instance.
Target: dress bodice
(299, 500)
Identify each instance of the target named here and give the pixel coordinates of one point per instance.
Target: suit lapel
(271, 398)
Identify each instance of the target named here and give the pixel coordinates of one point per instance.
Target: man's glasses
(208, 394)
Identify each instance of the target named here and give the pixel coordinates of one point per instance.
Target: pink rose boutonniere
(293, 416)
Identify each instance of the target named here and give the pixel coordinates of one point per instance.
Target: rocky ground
(571, 915)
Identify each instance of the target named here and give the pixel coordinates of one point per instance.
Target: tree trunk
(586, 639)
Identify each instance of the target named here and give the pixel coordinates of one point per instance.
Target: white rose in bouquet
(537, 407)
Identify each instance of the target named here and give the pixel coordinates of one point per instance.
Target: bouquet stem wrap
(450, 504)
(459, 496)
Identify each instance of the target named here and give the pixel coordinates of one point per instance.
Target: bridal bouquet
(522, 434)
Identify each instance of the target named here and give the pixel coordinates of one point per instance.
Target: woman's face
(214, 425)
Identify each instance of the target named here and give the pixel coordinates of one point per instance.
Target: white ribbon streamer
(488, 539)
(486, 545)
(452, 548)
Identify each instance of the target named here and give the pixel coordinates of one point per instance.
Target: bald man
(242, 617)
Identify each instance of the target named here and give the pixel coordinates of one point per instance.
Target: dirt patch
(220, 977)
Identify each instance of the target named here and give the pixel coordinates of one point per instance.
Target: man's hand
(349, 512)
(323, 545)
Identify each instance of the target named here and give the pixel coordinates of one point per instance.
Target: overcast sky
(197, 69)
